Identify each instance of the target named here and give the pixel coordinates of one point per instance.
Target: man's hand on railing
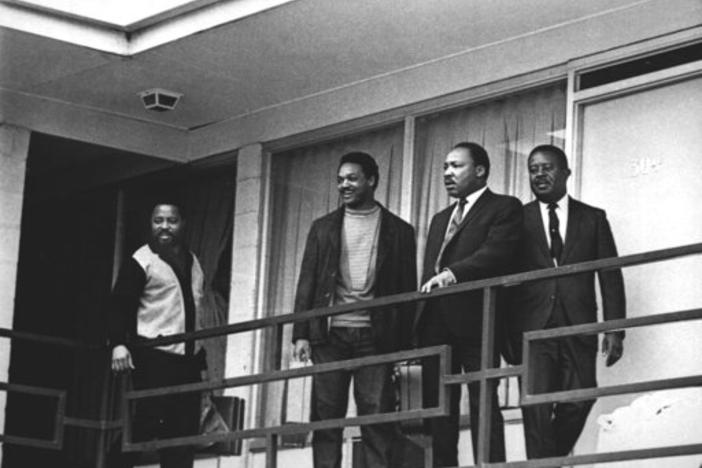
(443, 279)
(121, 359)
(301, 350)
(612, 347)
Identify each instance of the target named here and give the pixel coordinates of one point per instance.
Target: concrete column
(14, 144)
(248, 273)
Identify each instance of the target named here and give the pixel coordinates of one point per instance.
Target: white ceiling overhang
(124, 27)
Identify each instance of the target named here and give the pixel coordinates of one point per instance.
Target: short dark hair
(555, 151)
(477, 153)
(169, 202)
(365, 160)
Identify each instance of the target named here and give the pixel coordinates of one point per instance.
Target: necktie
(456, 219)
(554, 232)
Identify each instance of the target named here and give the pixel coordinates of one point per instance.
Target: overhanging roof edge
(133, 38)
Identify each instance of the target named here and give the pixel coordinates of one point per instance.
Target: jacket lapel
(535, 223)
(434, 243)
(472, 213)
(335, 235)
(572, 229)
(385, 239)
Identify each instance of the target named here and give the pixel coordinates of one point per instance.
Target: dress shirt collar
(470, 200)
(562, 204)
(473, 197)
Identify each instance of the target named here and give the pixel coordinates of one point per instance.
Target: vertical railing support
(487, 356)
(106, 398)
(272, 451)
(445, 390)
(428, 453)
(126, 413)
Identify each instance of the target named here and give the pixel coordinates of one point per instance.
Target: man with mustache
(559, 230)
(158, 292)
(474, 238)
(358, 252)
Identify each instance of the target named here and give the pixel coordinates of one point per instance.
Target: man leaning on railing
(475, 238)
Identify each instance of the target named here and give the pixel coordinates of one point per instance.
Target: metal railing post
(487, 356)
(272, 451)
(126, 413)
(103, 434)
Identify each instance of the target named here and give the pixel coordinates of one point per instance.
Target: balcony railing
(484, 376)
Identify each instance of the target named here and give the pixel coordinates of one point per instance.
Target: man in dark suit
(559, 230)
(358, 252)
(475, 238)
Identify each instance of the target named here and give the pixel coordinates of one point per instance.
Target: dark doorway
(64, 278)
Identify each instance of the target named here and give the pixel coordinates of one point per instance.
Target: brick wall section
(241, 358)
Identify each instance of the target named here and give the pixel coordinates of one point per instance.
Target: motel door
(641, 159)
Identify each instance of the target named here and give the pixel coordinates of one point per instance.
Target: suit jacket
(396, 272)
(588, 237)
(483, 246)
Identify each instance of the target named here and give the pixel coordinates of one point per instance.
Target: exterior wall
(14, 143)
(246, 272)
(492, 63)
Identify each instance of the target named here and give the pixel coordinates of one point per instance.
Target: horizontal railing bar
(29, 442)
(395, 299)
(290, 373)
(100, 424)
(596, 392)
(31, 390)
(294, 428)
(618, 324)
(498, 373)
(638, 454)
(509, 280)
(44, 339)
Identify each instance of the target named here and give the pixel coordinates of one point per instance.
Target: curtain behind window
(304, 188)
(211, 210)
(508, 128)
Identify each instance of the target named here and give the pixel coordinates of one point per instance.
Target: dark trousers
(551, 430)
(372, 393)
(167, 416)
(465, 355)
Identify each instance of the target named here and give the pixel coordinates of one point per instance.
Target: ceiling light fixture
(160, 100)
